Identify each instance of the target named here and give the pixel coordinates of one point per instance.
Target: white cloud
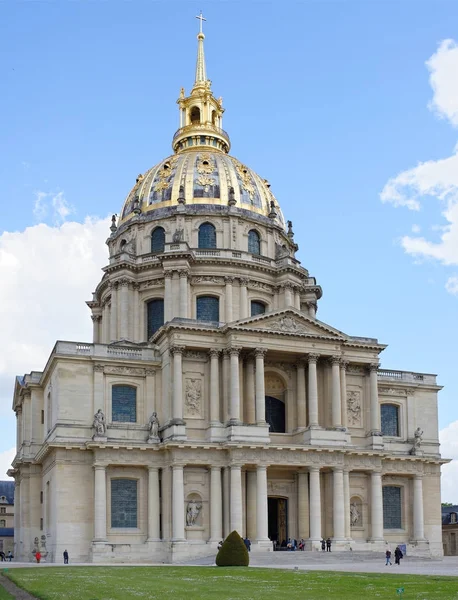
(452, 285)
(52, 205)
(449, 449)
(47, 274)
(6, 458)
(434, 179)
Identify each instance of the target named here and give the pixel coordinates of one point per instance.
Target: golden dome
(206, 177)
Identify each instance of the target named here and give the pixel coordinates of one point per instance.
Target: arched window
(257, 308)
(207, 236)
(214, 117)
(275, 414)
(155, 315)
(392, 508)
(158, 240)
(195, 114)
(124, 404)
(389, 414)
(124, 503)
(207, 308)
(254, 242)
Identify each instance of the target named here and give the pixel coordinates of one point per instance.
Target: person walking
(65, 557)
(10, 556)
(247, 543)
(323, 545)
(38, 556)
(398, 555)
(388, 557)
(328, 545)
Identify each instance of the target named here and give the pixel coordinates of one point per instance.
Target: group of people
(326, 544)
(397, 556)
(4, 557)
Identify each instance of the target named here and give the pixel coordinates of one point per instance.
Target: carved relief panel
(354, 408)
(193, 401)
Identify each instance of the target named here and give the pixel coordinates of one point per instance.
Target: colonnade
(309, 503)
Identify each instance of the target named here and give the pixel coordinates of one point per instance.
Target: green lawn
(4, 594)
(204, 583)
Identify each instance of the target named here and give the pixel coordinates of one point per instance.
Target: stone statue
(355, 515)
(99, 424)
(418, 438)
(192, 512)
(178, 235)
(153, 427)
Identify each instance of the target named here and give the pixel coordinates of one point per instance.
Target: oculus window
(392, 510)
(254, 242)
(155, 316)
(124, 404)
(158, 240)
(389, 416)
(124, 503)
(207, 236)
(207, 308)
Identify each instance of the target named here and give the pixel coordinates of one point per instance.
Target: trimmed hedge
(233, 552)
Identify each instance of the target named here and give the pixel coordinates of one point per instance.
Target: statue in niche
(153, 427)
(192, 512)
(99, 424)
(178, 235)
(418, 438)
(355, 514)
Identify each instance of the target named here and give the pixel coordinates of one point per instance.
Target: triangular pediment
(289, 321)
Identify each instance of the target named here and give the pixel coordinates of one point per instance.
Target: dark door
(277, 514)
(275, 414)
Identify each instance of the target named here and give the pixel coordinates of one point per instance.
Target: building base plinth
(324, 437)
(262, 546)
(174, 432)
(253, 434)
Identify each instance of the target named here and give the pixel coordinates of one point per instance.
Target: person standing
(38, 556)
(323, 545)
(10, 556)
(247, 543)
(388, 557)
(328, 545)
(65, 557)
(398, 555)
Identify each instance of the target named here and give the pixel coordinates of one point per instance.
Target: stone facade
(212, 398)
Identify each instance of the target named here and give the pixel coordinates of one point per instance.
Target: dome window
(207, 308)
(195, 114)
(207, 236)
(254, 242)
(155, 316)
(257, 308)
(158, 240)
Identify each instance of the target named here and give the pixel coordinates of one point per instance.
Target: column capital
(344, 364)
(236, 465)
(313, 358)
(338, 469)
(168, 274)
(234, 350)
(153, 469)
(214, 352)
(99, 466)
(177, 465)
(229, 280)
(300, 363)
(124, 282)
(261, 467)
(176, 349)
(136, 286)
(183, 273)
(260, 352)
(96, 318)
(313, 469)
(373, 367)
(150, 372)
(334, 360)
(244, 281)
(215, 468)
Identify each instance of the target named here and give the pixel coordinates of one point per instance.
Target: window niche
(389, 417)
(207, 236)
(155, 316)
(158, 239)
(356, 512)
(207, 308)
(257, 308)
(124, 503)
(124, 404)
(392, 507)
(254, 242)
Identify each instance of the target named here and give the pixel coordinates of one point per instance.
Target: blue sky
(327, 100)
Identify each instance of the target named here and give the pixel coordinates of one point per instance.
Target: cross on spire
(201, 18)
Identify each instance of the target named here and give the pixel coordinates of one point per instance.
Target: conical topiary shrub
(233, 552)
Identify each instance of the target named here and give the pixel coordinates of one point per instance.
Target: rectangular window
(124, 404)
(389, 414)
(207, 308)
(124, 503)
(392, 509)
(2, 510)
(3, 523)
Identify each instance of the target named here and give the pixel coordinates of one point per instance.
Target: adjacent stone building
(6, 516)
(211, 397)
(450, 530)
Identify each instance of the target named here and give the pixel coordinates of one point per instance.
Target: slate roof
(7, 489)
(446, 512)
(6, 531)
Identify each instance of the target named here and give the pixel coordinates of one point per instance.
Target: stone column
(226, 502)
(243, 298)
(19, 429)
(114, 312)
(17, 552)
(100, 503)
(376, 506)
(303, 505)
(276, 292)
(249, 397)
(153, 505)
(216, 505)
(297, 298)
(177, 504)
(301, 396)
(177, 400)
(288, 295)
(167, 296)
(228, 299)
(261, 504)
(418, 518)
(214, 386)
(338, 503)
(95, 328)
(124, 310)
(335, 393)
(236, 499)
(184, 293)
(136, 315)
(260, 391)
(313, 391)
(315, 504)
(235, 386)
(226, 384)
(251, 500)
(346, 484)
(311, 306)
(343, 392)
(375, 409)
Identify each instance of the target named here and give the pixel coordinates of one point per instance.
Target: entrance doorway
(277, 510)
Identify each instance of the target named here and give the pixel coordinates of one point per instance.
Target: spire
(201, 72)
